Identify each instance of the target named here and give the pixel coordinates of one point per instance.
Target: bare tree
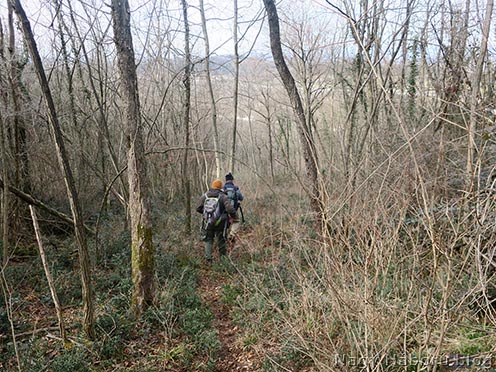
(476, 82)
(236, 85)
(5, 196)
(3, 157)
(186, 116)
(15, 67)
(267, 115)
(213, 103)
(306, 139)
(58, 139)
(15, 131)
(451, 68)
(143, 251)
(96, 85)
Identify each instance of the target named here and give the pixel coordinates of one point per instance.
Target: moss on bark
(143, 266)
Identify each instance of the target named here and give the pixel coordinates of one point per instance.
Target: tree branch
(31, 200)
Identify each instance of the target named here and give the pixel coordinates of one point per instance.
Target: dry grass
(404, 277)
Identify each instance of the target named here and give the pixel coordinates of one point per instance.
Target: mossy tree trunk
(143, 264)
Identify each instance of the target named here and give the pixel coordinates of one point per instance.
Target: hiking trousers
(210, 237)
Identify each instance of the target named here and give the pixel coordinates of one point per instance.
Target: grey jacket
(225, 205)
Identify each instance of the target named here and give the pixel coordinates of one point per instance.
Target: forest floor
(195, 325)
(246, 313)
(232, 355)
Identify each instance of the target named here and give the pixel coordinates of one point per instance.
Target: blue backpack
(232, 194)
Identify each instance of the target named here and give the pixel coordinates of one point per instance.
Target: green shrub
(73, 360)
(230, 294)
(111, 348)
(196, 321)
(25, 250)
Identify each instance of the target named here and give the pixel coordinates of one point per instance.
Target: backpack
(211, 212)
(232, 195)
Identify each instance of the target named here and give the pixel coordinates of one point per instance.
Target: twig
(48, 275)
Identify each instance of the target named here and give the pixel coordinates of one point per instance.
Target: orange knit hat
(217, 184)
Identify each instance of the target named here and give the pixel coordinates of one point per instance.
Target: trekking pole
(226, 227)
(242, 214)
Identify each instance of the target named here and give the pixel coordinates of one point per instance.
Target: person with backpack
(217, 212)
(235, 197)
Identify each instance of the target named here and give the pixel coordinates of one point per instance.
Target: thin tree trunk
(5, 197)
(48, 275)
(84, 260)
(271, 148)
(236, 85)
(20, 176)
(186, 120)
(211, 90)
(70, 89)
(268, 119)
(475, 93)
(308, 145)
(3, 158)
(143, 251)
(253, 144)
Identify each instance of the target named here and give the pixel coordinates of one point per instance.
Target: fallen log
(31, 200)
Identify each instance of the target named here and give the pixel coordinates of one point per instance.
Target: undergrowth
(174, 334)
(380, 292)
(394, 284)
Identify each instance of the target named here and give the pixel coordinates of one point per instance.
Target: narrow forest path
(232, 356)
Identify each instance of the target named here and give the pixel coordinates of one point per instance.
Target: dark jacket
(237, 191)
(225, 205)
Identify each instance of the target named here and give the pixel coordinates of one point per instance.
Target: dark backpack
(232, 195)
(211, 212)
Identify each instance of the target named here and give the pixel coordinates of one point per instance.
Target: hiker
(235, 197)
(217, 212)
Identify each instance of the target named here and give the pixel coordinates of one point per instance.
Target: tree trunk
(5, 197)
(236, 85)
(186, 115)
(3, 158)
(143, 260)
(84, 261)
(70, 93)
(211, 91)
(307, 143)
(21, 164)
(21, 160)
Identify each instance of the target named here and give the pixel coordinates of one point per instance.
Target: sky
(160, 21)
(252, 31)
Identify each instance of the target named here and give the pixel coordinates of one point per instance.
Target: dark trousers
(210, 237)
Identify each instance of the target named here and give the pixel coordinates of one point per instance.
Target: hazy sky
(156, 22)
(167, 15)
